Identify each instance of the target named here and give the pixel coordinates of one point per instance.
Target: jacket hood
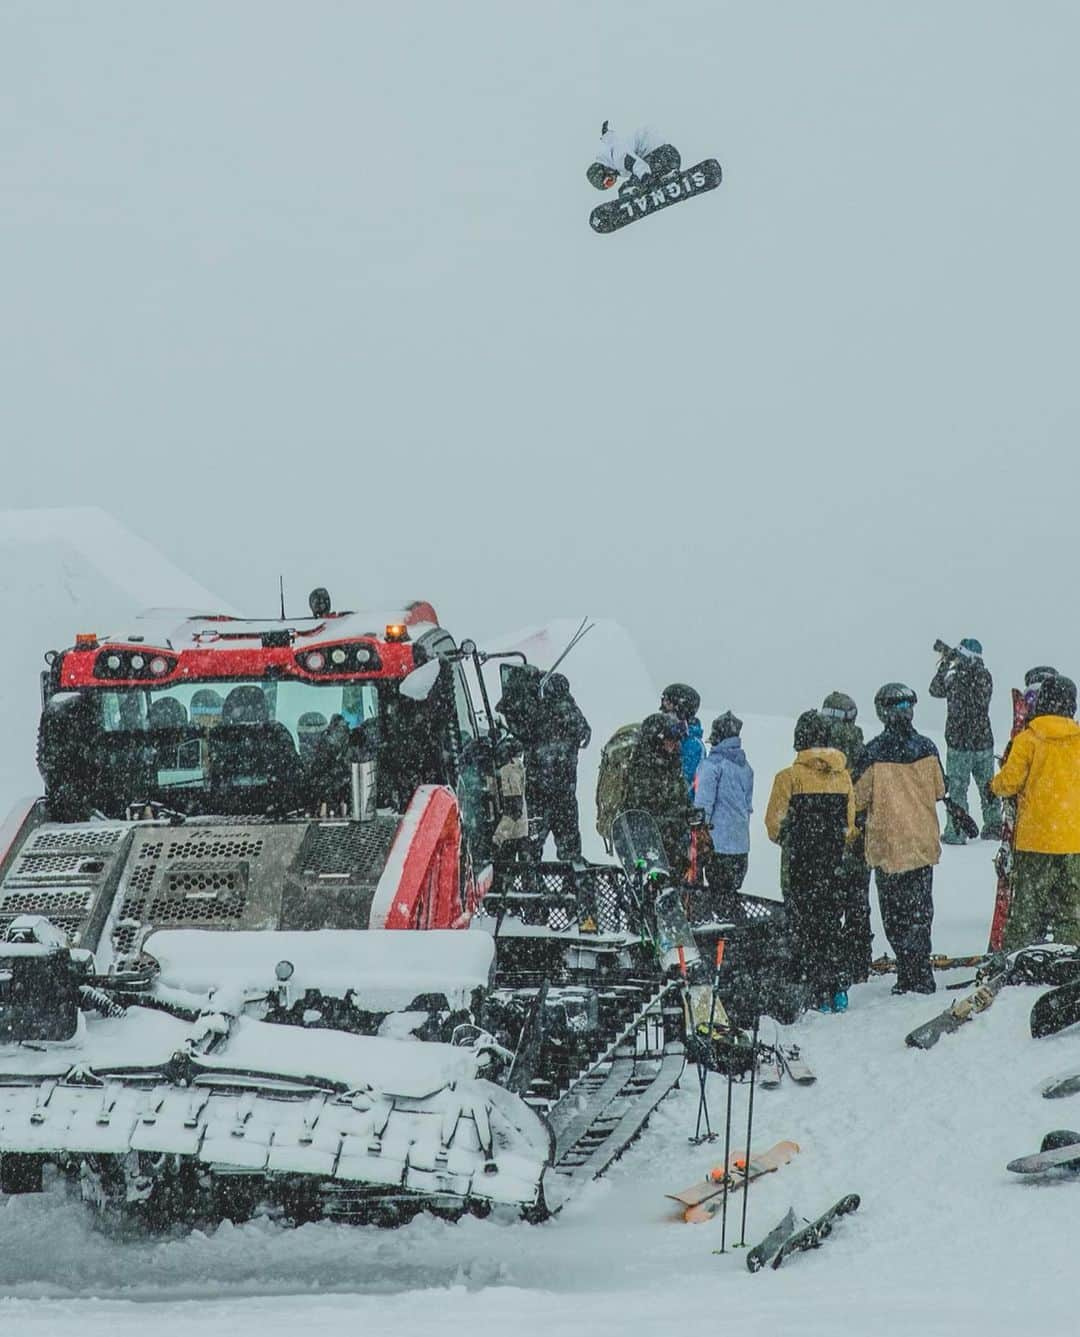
(1054, 728)
(730, 749)
(821, 759)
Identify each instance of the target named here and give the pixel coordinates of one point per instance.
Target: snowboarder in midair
(637, 157)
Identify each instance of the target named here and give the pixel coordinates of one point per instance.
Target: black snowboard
(652, 196)
(763, 1252)
(1060, 1151)
(1056, 1010)
(812, 1236)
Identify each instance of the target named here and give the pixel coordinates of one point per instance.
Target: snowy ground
(945, 1241)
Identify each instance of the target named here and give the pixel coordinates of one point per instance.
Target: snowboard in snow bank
(651, 197)
(760, 1254)
(1055, 1010)
(1060, 1151)
(813, 1235)
(927, 1035)
(703, 1200)
(1067, 1085)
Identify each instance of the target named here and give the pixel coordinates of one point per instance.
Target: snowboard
(760, 1254)
(1060, 1150)
(1003, 860)
(1056, 1087)
(886, 965)
(640, 849)
(929, 1033)
(1056, 1010)
(652, 196)
(812, 1236)
(703, 1200)
(962, 819)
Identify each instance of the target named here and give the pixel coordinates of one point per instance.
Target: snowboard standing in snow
(703, 1200)
(639, 201)
(1060, 1150)
(929, 1033)
(813, 1235)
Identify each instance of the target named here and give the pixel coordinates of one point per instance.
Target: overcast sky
(309, 288)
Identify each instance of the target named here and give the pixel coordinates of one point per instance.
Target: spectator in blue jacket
(725, 790)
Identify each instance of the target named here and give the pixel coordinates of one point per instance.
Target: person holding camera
(965, 684)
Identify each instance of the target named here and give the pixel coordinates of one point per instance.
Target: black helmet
(1057, 696)
(1039, 674)
(660, 728)
(894, 701)
(683, 700)
(839, 706)
(601, 176)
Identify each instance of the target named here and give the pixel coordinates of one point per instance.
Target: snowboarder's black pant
(858, 935)
(814, 913)
(724, 874)
(554, 810)
(907, 911)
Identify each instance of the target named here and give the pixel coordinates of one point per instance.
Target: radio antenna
(281, 592)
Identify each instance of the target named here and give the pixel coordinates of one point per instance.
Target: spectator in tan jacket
(898, 785)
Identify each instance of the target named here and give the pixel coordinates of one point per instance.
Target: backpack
(611, 780)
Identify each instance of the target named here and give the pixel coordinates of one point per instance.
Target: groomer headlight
(338, 660)
(117, 663)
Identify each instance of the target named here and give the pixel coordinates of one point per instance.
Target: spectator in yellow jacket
(811, 813)
(1043, 770)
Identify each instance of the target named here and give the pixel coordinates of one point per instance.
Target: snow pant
(961, 768)
(814, 913)
(858, 937)
(553, 809)
(907, 912)
(724, 875)
(1045, 899)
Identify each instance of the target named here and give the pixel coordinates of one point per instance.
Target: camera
(940, 648)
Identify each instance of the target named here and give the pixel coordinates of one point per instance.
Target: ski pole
(703, 1070)
(749, 1128)
(727, 1160)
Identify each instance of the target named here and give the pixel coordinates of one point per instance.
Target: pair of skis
(789, 1237)
(781, 1059)
(705, 1199)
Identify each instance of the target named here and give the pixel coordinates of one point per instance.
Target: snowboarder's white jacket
(615, 149)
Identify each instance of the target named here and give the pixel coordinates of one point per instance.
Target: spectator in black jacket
(964, 682)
